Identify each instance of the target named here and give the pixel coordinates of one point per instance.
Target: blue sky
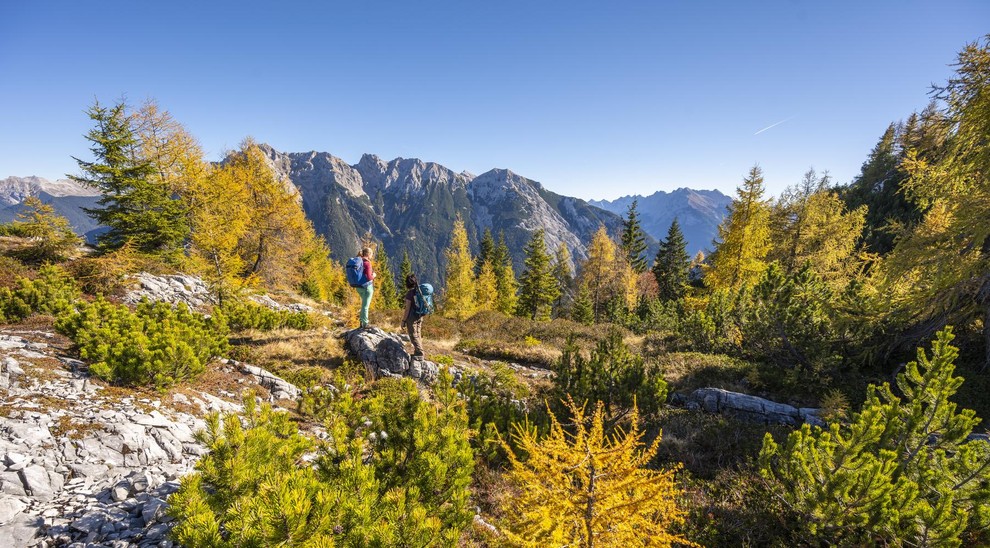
(593, 99)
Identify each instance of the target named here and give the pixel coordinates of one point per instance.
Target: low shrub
(155, 345)
(249, 315)
(394, 470)
(52, 292)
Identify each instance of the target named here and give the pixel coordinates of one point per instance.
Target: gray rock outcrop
(750, 408)
(384, 355)
(84, 466)
(177, 288)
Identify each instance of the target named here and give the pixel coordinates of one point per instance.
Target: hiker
(367, 289)
(411, 319)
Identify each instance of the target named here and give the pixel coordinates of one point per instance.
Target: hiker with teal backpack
(361, 276)
(419, 303)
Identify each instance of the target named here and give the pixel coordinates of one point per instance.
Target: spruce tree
(538, 287)
(405, 269)
(584, 309)
(486, 251)
(565, 280)
(135, 208)
(385, 290)
(672, 265)
(634, 239)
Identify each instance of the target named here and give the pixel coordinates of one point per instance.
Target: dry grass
(73, 429)
(688, 371)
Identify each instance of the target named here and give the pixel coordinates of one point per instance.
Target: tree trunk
(983, 299)
(986, 335)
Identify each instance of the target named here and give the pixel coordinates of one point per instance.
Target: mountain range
(410, 206)
(698, 212)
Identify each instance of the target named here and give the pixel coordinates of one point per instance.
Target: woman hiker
(412, 321)
(367, 291)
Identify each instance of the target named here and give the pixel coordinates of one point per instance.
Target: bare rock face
(177, 288)
(384, 354)
(80, 466)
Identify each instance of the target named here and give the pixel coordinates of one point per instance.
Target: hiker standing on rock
(411, 318)
(361, 276)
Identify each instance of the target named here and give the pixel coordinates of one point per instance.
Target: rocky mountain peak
(13, 190)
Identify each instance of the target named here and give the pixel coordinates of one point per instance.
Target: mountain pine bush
(52, 292)
(155, 345)
(249, 315)
(902, 473)
(394, 471)
(611, 374)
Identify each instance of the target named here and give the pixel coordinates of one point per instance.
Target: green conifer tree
(385, 288)
(486, 252)
(405, 269)
(902, 473)
(134, 208)
(584, 307)
(634, 239)
(672, 265)
(538, 287)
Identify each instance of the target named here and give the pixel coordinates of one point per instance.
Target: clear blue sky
(593, 99)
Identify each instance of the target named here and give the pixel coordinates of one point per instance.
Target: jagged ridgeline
(410, 206)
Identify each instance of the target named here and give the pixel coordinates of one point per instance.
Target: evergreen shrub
(52, 292)
(394, 470)
(249, 315)
(155, 345)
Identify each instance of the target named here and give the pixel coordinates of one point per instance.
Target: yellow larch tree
(219, 221)
(588, 488)
(812, 225)
(603, 272)
(743, 237)
(175, 154)
(458, 290)
(486, 288)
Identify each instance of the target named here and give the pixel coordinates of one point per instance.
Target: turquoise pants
(365, 293)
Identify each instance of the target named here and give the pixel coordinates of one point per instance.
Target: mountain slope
(66, 197)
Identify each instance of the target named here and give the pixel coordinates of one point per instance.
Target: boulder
(746, 407)
(384, 354)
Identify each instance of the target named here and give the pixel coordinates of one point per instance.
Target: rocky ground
(87, 464)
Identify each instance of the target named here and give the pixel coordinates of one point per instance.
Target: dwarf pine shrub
(395, 470)
(249, 315)
(52, 292)
(611, 374)
(155, 345)
(902, 473)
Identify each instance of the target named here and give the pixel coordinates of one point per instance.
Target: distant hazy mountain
(699, 213)
(66, 197)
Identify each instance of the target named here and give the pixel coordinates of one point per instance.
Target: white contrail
(773, 125)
